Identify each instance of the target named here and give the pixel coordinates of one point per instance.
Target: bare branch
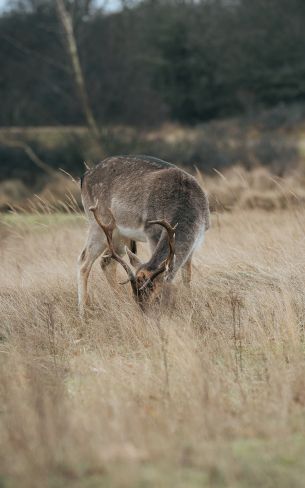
(31, 154)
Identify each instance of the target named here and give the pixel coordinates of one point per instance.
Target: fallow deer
(140, 198)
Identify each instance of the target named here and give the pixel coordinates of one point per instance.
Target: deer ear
(133, 258)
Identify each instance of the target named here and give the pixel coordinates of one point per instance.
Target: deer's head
(146, 283)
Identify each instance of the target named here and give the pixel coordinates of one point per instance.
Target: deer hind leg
(95, 245)
(109, 266)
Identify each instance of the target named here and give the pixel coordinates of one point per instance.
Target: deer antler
(108, 231)
(167, 263)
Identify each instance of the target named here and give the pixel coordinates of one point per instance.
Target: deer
(130, 199)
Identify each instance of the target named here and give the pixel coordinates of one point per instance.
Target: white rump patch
(132, 233)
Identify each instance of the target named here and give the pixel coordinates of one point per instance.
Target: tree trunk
(67, 24)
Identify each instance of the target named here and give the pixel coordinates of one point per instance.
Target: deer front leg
(95, 246)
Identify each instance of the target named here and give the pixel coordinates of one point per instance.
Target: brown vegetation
(210, 393)
(256, 189)
(233, 188)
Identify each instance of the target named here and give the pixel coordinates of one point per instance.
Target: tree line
(151, 61)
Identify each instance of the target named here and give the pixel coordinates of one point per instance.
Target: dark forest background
(152, 61)
(230, 73)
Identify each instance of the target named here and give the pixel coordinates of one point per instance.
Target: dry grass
(237, 188)
(234, 188)
(211, 393)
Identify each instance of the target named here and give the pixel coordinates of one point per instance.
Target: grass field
(208, 394)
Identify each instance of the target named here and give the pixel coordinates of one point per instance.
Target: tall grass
(208, 393)
(230, 189)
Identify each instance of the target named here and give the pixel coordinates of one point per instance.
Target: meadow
(209, 393)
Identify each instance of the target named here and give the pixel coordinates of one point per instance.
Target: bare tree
(67, 24)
